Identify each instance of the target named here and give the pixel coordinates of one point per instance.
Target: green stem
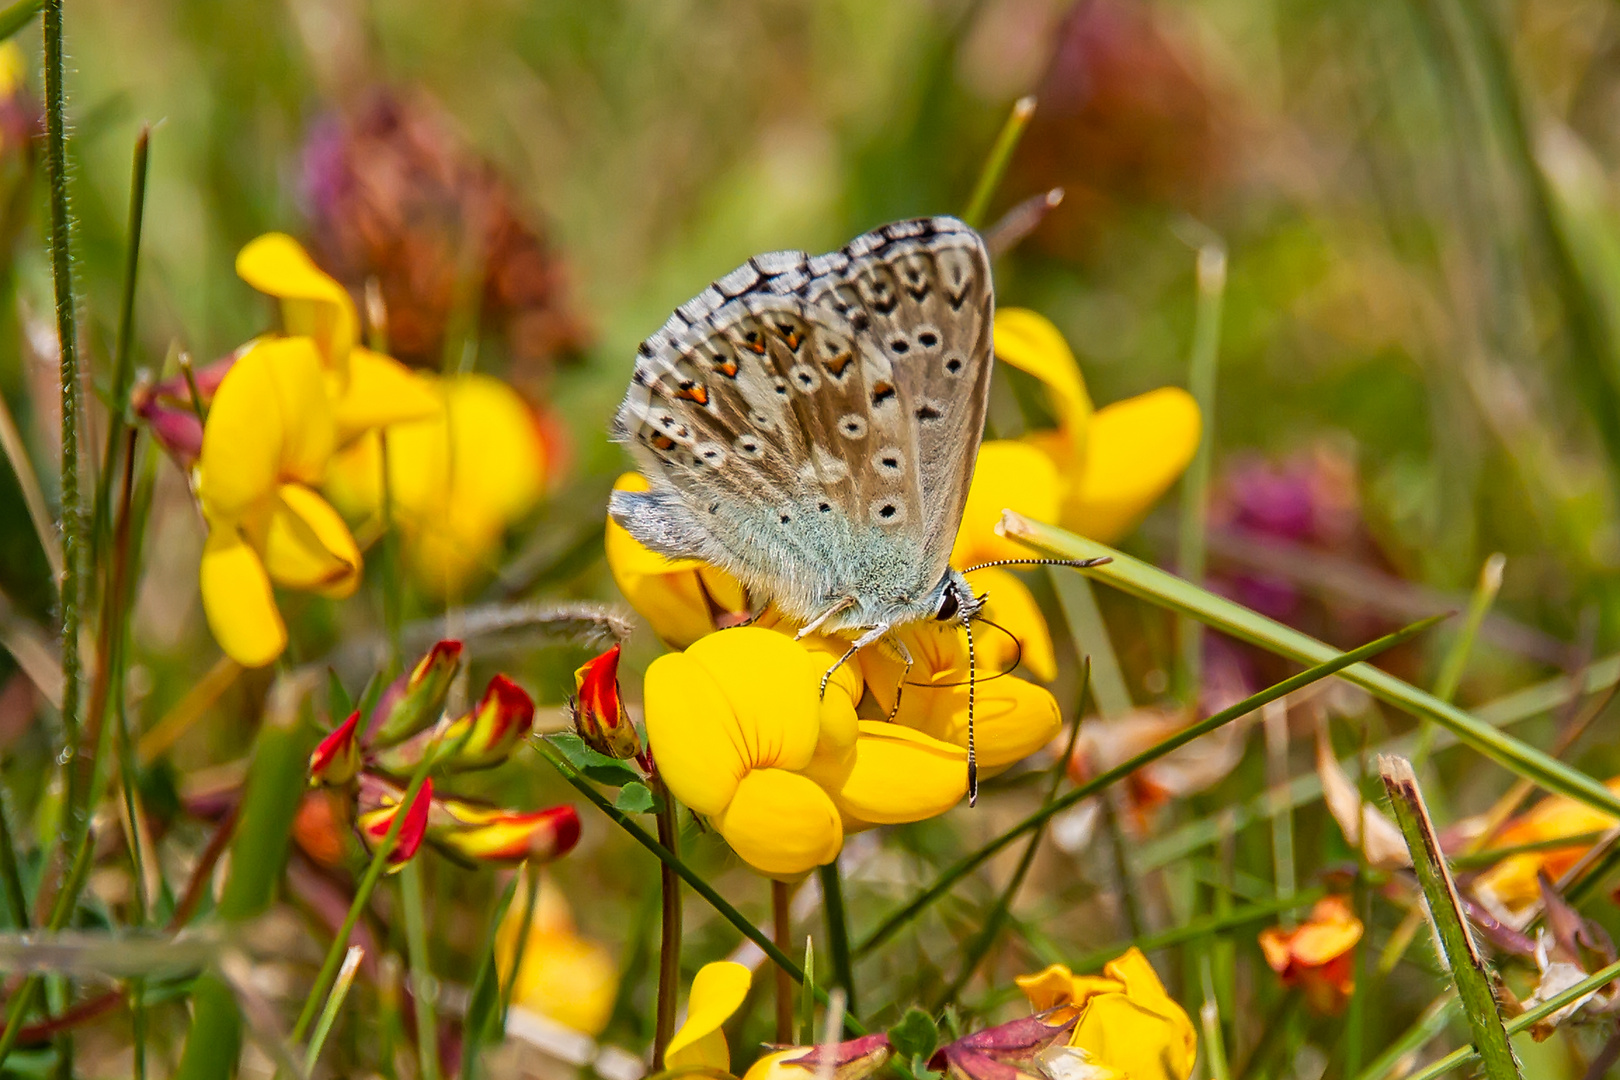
(995, 166)
(531, 898)
(421, 975)
(832, 903)
(62, 908)
(1525, 1020)
(67, 336)
(687, 874)
(10, 873)
(122, 366)
(669, 941)
(1204, 926)
(1211, 277)
(1104, 780)
(334, 1002)
(782, 930)
(1456, 661)
(1445, 912)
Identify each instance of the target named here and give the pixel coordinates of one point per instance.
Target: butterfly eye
(948, 606)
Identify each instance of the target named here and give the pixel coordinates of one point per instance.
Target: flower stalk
(669, 942)
(782, 930)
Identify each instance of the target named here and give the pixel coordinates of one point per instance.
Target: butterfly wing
(811, 423)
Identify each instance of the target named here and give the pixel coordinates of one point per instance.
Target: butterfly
(810, 425)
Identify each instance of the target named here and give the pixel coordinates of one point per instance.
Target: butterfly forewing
(811, 423)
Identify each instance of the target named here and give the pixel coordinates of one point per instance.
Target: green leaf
(1489, 1037)
(636, 798)
(915, 1037)
(1168, 591)
(338, 702)
(599, 767)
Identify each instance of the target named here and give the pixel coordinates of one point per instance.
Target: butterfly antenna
(973, 760)
(1077, 564)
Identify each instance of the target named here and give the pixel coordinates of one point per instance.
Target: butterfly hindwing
(811, 423)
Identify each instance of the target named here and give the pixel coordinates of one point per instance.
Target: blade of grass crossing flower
(1210, 274)
(424, 990)
(275, 787)
(1456, 660)
(1525, 1020)
(334, 1003)
(1428, 1027)
(485, 1002)
(1445, 911)
(1090, 636)
(1275, 718)
(948, 879)
(531, 899)
(1165, 590)
(687, 874)
(805, 1022)
(995, 166)
(118, 406)
(981, 943)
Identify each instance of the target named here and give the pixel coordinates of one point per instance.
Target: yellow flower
(1126, 1021)
(1318, 955)
(368, 389)
(269, 434)
(563, 976)
(683, 599)
(1107, 466)
(741, 736)
(1511, 883)
(718, 990)
(458, 479)
(1012, 718)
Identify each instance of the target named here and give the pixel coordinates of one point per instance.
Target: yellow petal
(1013, 607)
(773, 688)
(270, 420)
(1031, 343)
(312, 303)
(499, 466)
(674, 595)
(1142, 1031)
(1136, 450)
(379, 391)
(774, 1066)
(1012, 717)
(781, 823)
(238, 601)
(895, 775)
(307, 546)
(691, 729)
(844, 690)
(1009, 475)
(718, 990)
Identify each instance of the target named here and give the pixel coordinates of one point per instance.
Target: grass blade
(1445, 912)
(995, 166)
(334, 1003)
(1211, 277)
(1166, 590)
(1102, 781)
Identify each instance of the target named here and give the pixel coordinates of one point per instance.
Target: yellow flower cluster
(735, 722)
(304, 411)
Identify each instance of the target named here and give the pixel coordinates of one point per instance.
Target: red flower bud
(379, 802)
(507, 836)
(599, 714)
(481, 739)
(336, 760)
(414, 701)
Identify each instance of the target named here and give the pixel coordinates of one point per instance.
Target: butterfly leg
(816, 623)
(905, 657)
(872, 634)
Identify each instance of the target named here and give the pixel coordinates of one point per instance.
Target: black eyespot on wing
(882, 392)
(888, 511)
(860, 320)
(928, 339)
(953, 365)
(824, 507)
(926, 413)
(785, 519)
(899, 346)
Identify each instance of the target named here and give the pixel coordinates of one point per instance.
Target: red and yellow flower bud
(379, 803)
(490, 834)
(599, 714)
(415, 701)
(480, 739)
(336, 760)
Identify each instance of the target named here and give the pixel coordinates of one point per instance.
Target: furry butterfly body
(810, 425)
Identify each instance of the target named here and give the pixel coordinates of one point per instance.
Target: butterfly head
(953, 599)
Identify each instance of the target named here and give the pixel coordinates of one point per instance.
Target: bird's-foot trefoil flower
(740, 734)
(718, 990)
(1510, 885)
(854, 1059)
(1318, 955)
(561, 974)
(490, 834)
(457, 480)
(379, 803)
(1123, 1019)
